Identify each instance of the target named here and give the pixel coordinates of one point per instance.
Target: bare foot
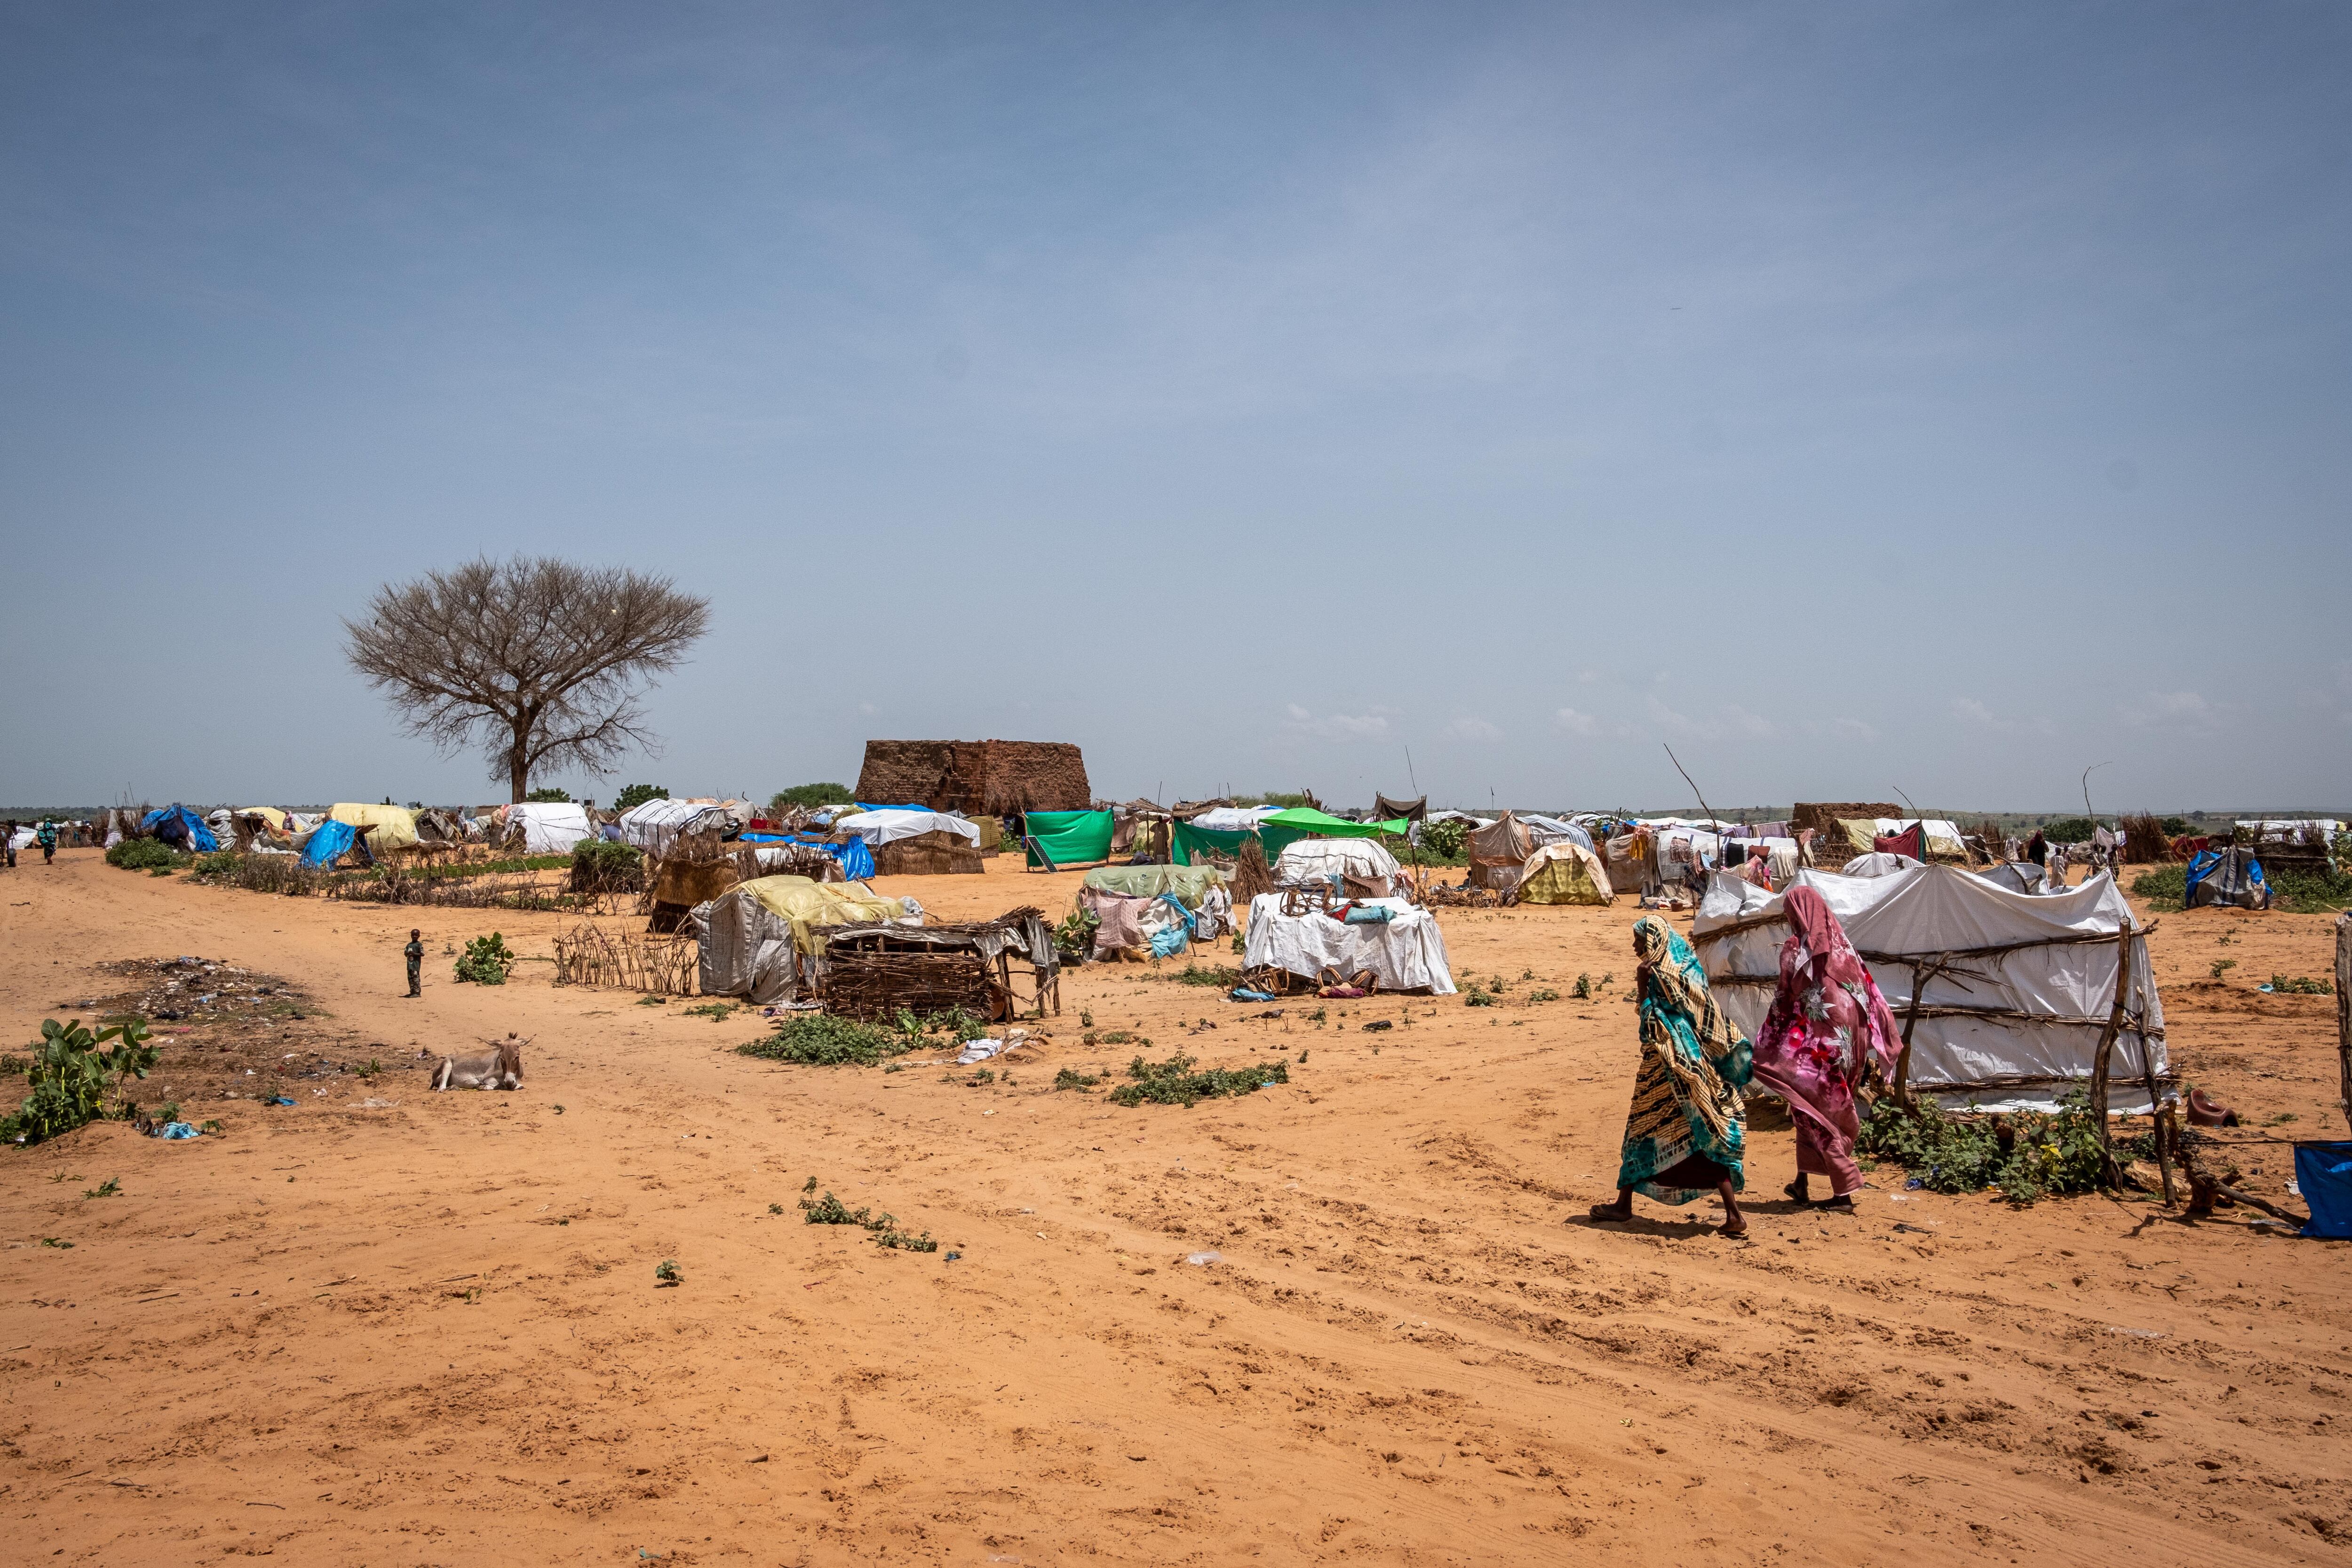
(1612, 1211)
(1732, 1229)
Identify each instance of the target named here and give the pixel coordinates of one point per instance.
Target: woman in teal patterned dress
(1684, 1136)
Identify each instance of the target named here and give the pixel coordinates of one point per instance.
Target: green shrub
(2309, 893)
(601, 866)
(637, 794)
(820, 1040)
(2301, 985)
(2069, 830)
(144, 855)
(2166, 887)
(1173, 1081)
(71, 1073)
(2027, 1155)
(1444, 839)
(1071, 1078)
(486, 961)
(809, 795)
(550, 795)
(1074, 939)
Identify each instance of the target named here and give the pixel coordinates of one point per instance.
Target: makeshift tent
(547, 828)
(1285, 828)
(1407, 952)
(176, 824)
(1189, 883)
(1497, 853)
(1068, 837)
(1911, 843)
(1879, 864)
(394, 826)
(888, 824)
(881, 971)
(792, 912)
(652, 826)
(1232, 819)
(1388, 810)
(2017, 875)
(1780, 854)
(1343, 865)
(1543, 830)
(2003, 995)
(1564, 873)
(327, 843)
(2231, 879)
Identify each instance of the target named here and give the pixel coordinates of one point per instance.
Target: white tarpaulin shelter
(652, 826)
(1331, 860)
(1943, 837)
(1233, 818)
(894, 823)
(2005, 994)
(549, 827)
(1407, 953)
(1543, 830)
(1878, 863)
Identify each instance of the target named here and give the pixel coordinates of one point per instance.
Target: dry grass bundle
(587, 955)
(2145, 841)
(395, 885)
(1252, 876)
(935, 854)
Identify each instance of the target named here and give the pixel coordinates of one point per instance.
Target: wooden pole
(2344, 1014)
(2106, 1056)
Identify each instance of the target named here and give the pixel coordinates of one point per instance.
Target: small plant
(487, 961)
(829, 1210)
(2027, 1155)
(665, 1273)
(1173, 1081)
(1607, 980)
(1074, 939)
(1302, 1058)
(1544, 994)
(53, 1241)
(2302, 985)
(1086, 1018)
(604, 865)
(1217, 974)
(72, 1074)
(1584, 988)
(821, 1040)
(776, 1208)
(1317, 1015)
(374, 1069)
(1071, 1078)
(144, 855)
(1122, 1038)
(2222, 966)
(1477, 997)
(1444, 839)
(110, 1188)
(2282, 1118)
(716, 1012)
(655, 1001)
(981, 1076)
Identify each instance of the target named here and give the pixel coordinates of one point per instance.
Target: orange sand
(428, 1331)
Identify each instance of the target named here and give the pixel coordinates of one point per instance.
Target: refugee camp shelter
(2017, 875)
(655, 826)
(1058, 839)
(1294, 934)
(1349, 867)
(1878, 863)
(2003, 995)
(543, 828)
(2227, 878)
(762, 940)
(1564, 873)
(913, 841)
(1497, 851)
(182, 829)
(1387, 810)
(993, 778)
(1543, 830)
(982, 968)
(390, 826)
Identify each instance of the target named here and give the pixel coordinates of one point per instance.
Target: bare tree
(539, 661)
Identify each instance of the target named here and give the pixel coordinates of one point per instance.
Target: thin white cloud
(1371, 726)
(1575, 722)
(1671, 721)
(2173, 711)
(1469, 728)
(1744, 722)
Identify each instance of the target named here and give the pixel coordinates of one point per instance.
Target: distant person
(1758, 869)
(46, 837)
(1827, 1026)
(416, 954)
(1685, 1134)
(2037, 848)
(12, 844)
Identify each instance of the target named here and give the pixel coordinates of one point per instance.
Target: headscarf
(1814, 933)
(1681, 1022)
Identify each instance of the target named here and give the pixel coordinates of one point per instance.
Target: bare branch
(541, 663)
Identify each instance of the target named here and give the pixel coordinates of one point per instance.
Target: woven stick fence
(871, 986)
(588, 955)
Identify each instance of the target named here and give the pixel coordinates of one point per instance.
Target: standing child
(46, 837)
(416, 952)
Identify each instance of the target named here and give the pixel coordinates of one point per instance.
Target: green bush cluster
(637, 794)
(830, 1210)
(145, 854)
(71, 1074)
(2069, 830)
(820, 1040)
(548, 795)
(1173, 1081)
(487, 961)
(1444, 839)
(602, 866)
(811, 795)
(2027, 1155)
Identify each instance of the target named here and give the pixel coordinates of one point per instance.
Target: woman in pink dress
(1827, 1026)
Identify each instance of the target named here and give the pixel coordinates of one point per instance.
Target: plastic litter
(2323, 1177)
(1244, 993)
(279, 1099)
(1205, 1259)
(176, 1129)
(983, 1049)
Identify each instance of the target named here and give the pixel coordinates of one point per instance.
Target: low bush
(72, 1073)
(548, 795)
(811, 795)
(1174, 1081)
(1444, 839)
(2069, 830)
(2027, 1155)
(2166, 887)
(145, 854)
(487, 961)
(637, 794)
(601, 866)
(820, 1040)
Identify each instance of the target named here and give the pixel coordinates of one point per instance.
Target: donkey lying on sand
(502, 1069)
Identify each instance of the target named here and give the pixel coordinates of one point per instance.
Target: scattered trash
(1380, 1024)
(1205, 1259)
(2136, 1333)
(1913, 1229)
(279, 1099)
(1244, 993)
(1914, 1185)
(989, 1046)
(176, 1129)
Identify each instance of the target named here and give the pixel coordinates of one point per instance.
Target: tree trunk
(518, 766)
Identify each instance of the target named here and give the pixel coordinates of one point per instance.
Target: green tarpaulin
(1191, 841)
(1188, 882)
(1071, 837)
(1285, 828)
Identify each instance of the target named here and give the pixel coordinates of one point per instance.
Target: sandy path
(429, 1331)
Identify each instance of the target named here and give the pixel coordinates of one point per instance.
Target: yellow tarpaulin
(396, 825)
(806, 905)
(1566, 873)
(275, 817)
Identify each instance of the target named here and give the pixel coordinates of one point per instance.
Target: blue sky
(1945, 397)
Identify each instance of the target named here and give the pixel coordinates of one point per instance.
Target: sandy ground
(445, 1345)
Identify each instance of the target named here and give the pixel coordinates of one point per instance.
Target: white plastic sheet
(549, 828)
(1998, 1063)
(880, 828)
(1406, 952)
(1327, 860)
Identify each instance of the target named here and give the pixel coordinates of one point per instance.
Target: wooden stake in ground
(2344, 1015)
(2113, 1174)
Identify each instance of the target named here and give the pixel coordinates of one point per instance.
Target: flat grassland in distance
(383, 1325)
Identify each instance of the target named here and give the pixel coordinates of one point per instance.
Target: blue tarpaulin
(2323, 1171)
(856, 860)
(175, 823)
(327, 843)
